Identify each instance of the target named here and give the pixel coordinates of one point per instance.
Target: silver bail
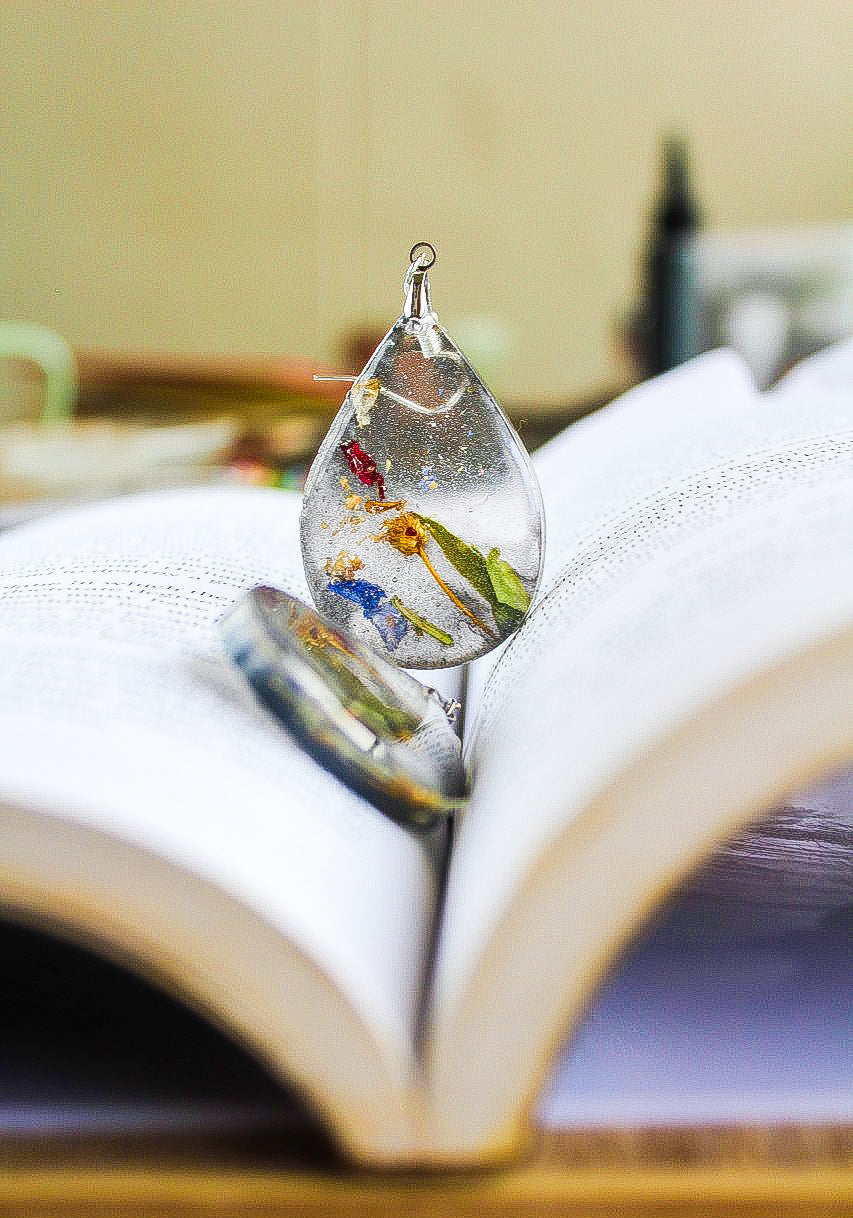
(416, 285)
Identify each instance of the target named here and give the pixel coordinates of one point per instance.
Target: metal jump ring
(420, 250)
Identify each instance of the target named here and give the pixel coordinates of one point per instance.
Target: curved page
(628, 727)
(150, 805)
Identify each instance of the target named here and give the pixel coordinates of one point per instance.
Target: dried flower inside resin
(363, 466)
(408, 534)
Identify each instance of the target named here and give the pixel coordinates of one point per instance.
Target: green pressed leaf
(506, 582)
(420, 624)
(467, 560)
(471, 565)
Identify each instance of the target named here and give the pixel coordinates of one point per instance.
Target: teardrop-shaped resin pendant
(422, 524)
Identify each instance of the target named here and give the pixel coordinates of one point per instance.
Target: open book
(688, 664)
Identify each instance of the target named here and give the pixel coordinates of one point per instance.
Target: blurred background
(241, 179)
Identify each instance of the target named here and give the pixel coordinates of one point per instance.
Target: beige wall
(249, 176)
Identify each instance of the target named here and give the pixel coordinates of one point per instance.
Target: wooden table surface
(742, 1174)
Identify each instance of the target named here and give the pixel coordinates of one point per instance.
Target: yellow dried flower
(406, 533)
(375, 506)
(343, 567)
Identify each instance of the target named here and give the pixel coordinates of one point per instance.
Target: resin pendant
(422, 524)
(356, 713)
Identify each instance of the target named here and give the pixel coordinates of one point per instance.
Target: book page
(668, 459)
(119, 712)
(724, 563)
(619, 456)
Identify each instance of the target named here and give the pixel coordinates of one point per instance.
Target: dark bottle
(672, 312)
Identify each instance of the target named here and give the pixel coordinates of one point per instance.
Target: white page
(670, 461)
(670, 458)
(659, 607)
(118, 708)
(625, 681)
(695, 619)
(623, 454)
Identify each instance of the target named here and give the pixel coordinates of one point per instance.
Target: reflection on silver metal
(416, 284)
(423, 254)
(375, 727)
(422, 525)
